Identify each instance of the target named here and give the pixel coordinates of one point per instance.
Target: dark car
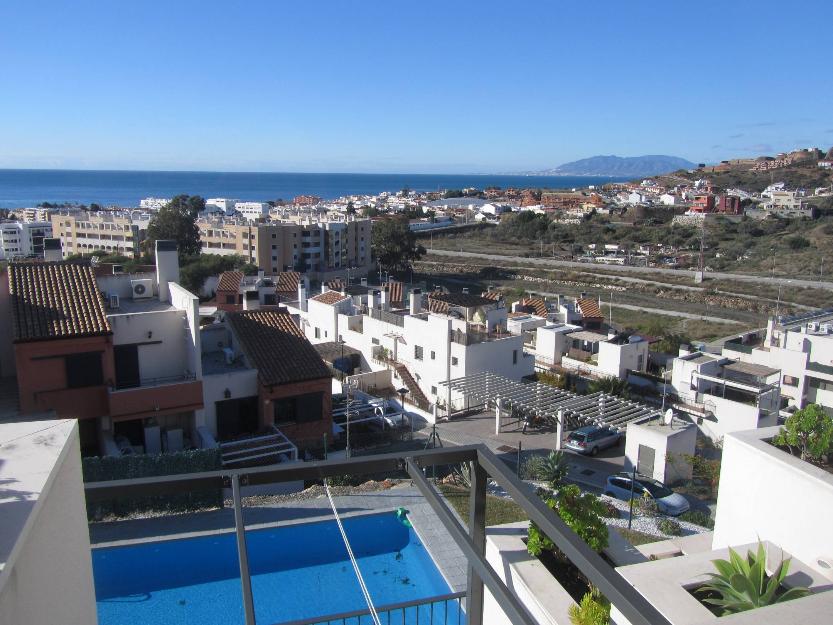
(591, 439)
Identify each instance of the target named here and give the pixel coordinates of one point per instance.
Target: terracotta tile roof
(589, 308)
(437, 306)
(466, 300)
(276, 347)
(492, 295)
(395, 291)
(288, 282)
(536, 304)
(230, 281)
(330, 297)
(335, 285)
(54, 301)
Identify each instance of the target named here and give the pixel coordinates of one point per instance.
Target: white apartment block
(153, 203)
(252, 211)
(23, 239)
(788, 204)
(223, 204)
(801, 346)
(115, 232)
(724, 395)
(458, 335)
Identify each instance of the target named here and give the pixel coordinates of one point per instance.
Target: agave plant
(554, 468)
(743, 584)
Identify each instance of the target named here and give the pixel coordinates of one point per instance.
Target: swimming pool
(298, 571)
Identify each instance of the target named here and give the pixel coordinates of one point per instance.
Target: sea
(21, 188)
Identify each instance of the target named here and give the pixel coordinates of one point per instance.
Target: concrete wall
(768, 494)
(156, 360)
(668, 444)
(190, 303)
(48, 580)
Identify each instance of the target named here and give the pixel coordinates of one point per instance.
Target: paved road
(682, 273)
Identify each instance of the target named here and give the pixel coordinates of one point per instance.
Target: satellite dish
(668, 417)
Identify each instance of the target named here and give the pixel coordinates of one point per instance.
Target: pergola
(551, 403)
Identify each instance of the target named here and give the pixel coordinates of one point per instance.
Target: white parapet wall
(46, 575)
(544, 598)
(766, 493)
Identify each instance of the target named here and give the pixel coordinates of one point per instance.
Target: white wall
(768, 494)
(156, 360)
(665, 441)
(190, 303)
(48, 579)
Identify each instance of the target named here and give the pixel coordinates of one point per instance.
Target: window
(318, 333)
(231, 299)
(84, 369)
(640, 361)
(418, 352)
(433, 390)
(433, 355)
(299, 409)
(514, 356)
(454, 360)
(790, 380)
(375, 341)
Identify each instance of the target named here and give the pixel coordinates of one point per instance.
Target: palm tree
(610, 386)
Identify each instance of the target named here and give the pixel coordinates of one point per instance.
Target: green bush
(594, 609)
(582, 512)
(611, 511)
(135, 466)
(551, 468)
(809, 431)
(698, 517)
(646, 506)
(669, 527)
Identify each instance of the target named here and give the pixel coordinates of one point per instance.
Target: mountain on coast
(635, 166)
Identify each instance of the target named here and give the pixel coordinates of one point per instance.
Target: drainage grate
(507, 448)
(587, 472)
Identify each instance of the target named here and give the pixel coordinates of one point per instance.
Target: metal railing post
(242, 553)
(477, 532)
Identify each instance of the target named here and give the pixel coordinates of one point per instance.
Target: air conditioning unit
(142, 289)
(113, 301)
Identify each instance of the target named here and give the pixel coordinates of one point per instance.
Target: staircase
(269, 448)
(416, 396)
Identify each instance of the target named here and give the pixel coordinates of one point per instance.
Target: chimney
(372, 299)
(416, 301)
(383, 299)
(167, 267)
(324, 288)
(52, 249)
(302, 297)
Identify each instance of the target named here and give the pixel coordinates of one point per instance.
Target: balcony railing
(145, 382)
(471, 540)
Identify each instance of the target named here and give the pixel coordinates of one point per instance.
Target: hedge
(132, 466)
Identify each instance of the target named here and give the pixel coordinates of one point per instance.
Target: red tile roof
(276, 347)
(395, 291)
(230, 281)
(288, 282)
(589, 308)
(536, 304)
(55, 301)
(330, 297)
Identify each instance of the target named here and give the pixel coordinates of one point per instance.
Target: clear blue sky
(439, 87)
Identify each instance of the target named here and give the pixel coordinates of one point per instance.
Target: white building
(23, 239)
(669, 199)
(458, 335)
(801, 346)
(153, 203)
(724, 395)
(252, 211)
(224, 204)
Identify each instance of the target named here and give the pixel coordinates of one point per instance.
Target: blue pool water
(298, 571)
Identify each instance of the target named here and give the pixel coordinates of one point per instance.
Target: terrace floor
(260, 512)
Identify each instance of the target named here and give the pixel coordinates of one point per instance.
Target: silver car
(668, 502)
(591, 439)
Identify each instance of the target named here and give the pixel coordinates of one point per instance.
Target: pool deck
(446, 554)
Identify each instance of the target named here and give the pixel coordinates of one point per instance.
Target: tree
(810, 430)
(394, 245)
(582, 512)
(351, 210)
(610, 386)
(196, 269)
(300, 265)
(177, 220)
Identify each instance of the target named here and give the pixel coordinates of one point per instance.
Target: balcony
(154, 396)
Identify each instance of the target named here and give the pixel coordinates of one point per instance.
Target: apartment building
(438, 337)
(252, 211)
(788, 204)
(801, 347)
(23, 239)
(724, 395)
(327, 247)
(115, 232)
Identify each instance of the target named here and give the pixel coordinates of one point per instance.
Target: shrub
(582, 512)
(797, 243)
(669, 527)
(742, 584)
(611, 511)
(698, 517)
(551, 468)
(133, 466)
(810, 430)
(593, 609)
(345, 480)
(646, 506)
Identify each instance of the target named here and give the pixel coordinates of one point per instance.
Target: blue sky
(436, 87)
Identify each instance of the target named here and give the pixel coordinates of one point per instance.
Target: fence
(441, 610)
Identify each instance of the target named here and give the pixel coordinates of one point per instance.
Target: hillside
(637, 166)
